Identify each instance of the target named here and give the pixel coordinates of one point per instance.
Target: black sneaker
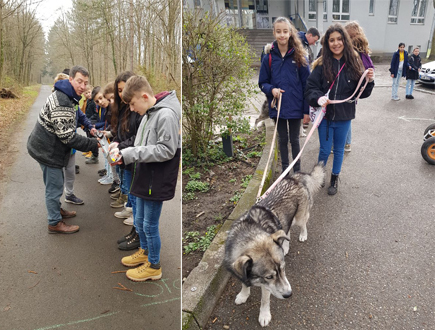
(128, 236)
(131, 244)
(77, 169)
(114, 188)
(73, 199)
(102, 172)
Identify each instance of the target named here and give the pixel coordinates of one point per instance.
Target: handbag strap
(337, 76)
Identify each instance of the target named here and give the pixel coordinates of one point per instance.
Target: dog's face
(262, 264)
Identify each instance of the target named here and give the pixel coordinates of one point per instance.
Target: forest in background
(105, 36)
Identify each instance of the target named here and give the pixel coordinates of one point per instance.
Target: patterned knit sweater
(54, 133)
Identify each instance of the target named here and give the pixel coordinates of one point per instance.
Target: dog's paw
(264, 318)
(241, 298)
(303, 237)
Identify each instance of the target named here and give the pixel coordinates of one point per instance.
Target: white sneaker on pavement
(129, 221)
(125, 213)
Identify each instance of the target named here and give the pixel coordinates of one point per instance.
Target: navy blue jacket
(394, 67)
(284, 73)
(101, 123)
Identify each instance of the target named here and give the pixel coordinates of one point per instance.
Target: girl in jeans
(398, 68)
(285, 70)
(337, 70)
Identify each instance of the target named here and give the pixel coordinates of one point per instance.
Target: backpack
(266, 51)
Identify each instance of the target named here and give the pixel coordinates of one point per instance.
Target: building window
(340, 10)
(372, 7)
(394, 8)
(312, 12)
(197, 3)
(418, 11)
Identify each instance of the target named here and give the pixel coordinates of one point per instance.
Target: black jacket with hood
(344, 87)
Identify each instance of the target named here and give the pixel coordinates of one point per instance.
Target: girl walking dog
(335, 76)
(285, 70)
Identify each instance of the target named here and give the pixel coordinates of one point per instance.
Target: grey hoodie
(156, 151)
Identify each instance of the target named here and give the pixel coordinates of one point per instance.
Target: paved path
(369, 262)
(65, 281)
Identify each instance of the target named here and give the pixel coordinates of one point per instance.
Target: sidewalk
(66, 281)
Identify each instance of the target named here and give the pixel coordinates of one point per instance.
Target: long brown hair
(118, 104)
(351, 58)
(294, 42)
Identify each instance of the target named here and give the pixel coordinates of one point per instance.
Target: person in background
(398, 68)
(361, 44)
(413, 72)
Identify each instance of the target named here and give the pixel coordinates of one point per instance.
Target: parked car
(427, 73)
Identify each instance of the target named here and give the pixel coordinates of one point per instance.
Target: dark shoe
(67, 214)
(73, 199)
(128, 236)
(411, 97)
(407, 97)
(77, 169)
(102, 172)
(332, 190)
(92, 160)
(132, 244)
(63, 228)
(114, 188)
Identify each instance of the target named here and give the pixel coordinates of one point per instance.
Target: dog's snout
(287, 294)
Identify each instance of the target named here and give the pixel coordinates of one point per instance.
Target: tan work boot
(135, 259)
(120, 201)
(144, 273)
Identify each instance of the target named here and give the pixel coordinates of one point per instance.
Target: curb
(204, 285)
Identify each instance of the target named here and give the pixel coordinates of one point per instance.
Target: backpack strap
(270, 60)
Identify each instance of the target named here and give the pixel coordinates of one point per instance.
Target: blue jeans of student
(410, 83)
(147, 226)
(396, 82)
(53, 180)
(349, 135)
(125, 176)
(333, 132)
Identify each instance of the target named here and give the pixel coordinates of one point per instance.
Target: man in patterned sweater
(51, 141)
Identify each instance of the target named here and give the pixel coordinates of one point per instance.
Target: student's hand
(392, 75)
(323, 101)
(93, 131)
(371, 75)
(276, 92)
(113, 145)
(115, 156)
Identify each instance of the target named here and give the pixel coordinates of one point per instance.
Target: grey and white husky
(258, 241)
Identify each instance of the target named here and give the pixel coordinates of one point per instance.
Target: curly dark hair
(351, 58)
(123, 76)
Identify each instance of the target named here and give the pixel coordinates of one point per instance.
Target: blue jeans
(410, 83)
(147, 226)
(336, 131)
(396, 82)
(349, 135)
(53, 180)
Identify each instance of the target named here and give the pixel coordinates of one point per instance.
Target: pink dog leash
(315, 125)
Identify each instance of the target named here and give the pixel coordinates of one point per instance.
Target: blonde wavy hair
(294, 42)
(359, 39)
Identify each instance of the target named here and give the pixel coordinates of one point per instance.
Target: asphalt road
(66, 281)
(369, 262)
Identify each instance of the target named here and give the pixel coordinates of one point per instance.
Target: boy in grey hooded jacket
(156, 158)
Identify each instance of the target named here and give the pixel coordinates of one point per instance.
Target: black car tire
(428, 150)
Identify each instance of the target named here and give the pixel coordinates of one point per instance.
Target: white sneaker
(129, 221)
(107, 180)
(102, 178)
(125, 213)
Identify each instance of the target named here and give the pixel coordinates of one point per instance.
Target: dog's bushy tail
(317, 177)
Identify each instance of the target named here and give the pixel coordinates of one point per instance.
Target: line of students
(288, 73)
(146, 132)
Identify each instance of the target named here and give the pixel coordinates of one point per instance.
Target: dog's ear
(242, 267)
(279, 237)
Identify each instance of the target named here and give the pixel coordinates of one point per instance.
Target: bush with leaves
(216, 80)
